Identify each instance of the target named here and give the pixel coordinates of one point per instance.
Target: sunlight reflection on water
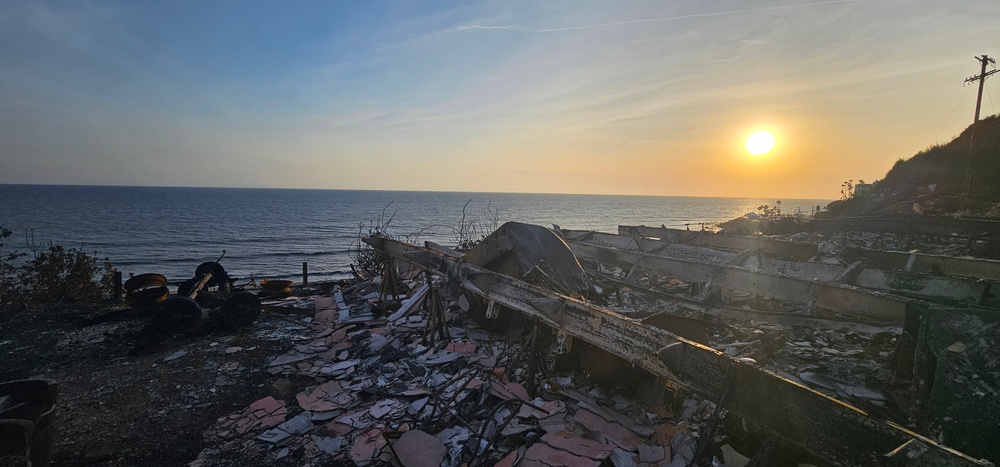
(270, 232)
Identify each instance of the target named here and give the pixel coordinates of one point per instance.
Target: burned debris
(823, 332)
(541, 347)
(194, 309)
(647, 347)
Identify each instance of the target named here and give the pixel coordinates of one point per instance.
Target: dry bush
(54, 275)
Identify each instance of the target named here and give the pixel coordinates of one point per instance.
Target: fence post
(305, 273)
(117, 292)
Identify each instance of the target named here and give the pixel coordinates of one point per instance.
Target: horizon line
(403, 191)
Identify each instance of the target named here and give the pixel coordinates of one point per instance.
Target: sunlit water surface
(269, 233)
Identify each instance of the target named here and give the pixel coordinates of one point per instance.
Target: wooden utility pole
(981, 77)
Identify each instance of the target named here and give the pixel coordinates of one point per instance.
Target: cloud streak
(664, 19)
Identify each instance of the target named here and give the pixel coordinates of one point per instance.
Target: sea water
(269, 233)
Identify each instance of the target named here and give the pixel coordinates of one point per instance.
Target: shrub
(61, 275)
(370, 262)
(8, 276)
(471, 231)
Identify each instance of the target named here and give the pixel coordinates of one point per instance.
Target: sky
(562, 96)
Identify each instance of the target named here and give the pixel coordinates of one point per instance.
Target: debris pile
(392, 389)
(558, 348)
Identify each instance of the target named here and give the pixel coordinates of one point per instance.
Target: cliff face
(960, 177)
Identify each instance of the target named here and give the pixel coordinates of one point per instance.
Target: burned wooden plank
(920, 225)
(826, 428)
(937, 287)
(652, 245)
(774, 317)
(779, 248)
(827, 298)
(987, 269)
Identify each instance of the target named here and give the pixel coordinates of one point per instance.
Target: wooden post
(117, 292)
(305, 273)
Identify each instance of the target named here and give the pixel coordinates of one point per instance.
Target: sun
(760, 143)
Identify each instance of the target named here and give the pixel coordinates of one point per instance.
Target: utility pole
(981, 77)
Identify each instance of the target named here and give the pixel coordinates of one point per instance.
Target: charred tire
(240, 310)
(219, 275)
(144, 281)
(176, 314)
(146, 298)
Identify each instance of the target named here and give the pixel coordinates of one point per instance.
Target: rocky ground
(318, 382)
(119, 407)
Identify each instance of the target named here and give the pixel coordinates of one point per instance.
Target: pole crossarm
(981, 77)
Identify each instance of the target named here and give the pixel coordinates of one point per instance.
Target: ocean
(269, 233)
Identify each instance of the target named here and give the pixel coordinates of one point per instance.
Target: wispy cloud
(470, 27)
(648, 20)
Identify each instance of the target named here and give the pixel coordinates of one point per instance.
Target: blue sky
(565, 96)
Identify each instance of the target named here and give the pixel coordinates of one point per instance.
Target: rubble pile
(389, 389)
(659, 347)
(849, 346)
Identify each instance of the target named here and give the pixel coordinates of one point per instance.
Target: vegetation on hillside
(959, 177)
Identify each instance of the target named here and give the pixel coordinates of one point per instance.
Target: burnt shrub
(60, 275)
(8, 273)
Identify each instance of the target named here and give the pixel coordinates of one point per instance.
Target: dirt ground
(119, 407)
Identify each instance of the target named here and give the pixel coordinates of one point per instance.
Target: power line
(991, 99)
(949, 116)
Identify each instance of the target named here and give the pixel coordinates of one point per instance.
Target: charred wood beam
(987, 269)
(949, 289)
(774, 317)
(826, 299)
(913, 262)
(831, 430)
(779, 248)
(920, 225)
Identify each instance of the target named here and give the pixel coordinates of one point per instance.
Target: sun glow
(760, 143)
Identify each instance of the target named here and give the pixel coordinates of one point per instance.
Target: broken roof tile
(315, 402)
(541, 454)
(683, 446)
(337, 428)
(384, 407)
(461, 347)
(354, 419)
(298, 424)
(274, 436)
(328, 445)
(652, 453)
(509, 460)
(487, 361)
(618, 434)
(419, 449)
(622, 458)
(290, 358)
(608, 414)
(571, 442)
(416, 406)
(554, 423)
(510, 391)
(366, 446)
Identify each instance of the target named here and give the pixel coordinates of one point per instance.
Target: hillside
(961, 177)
